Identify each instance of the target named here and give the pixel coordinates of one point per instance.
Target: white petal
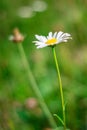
(49, 35)
(62, 40)
(65, 35)
(54, 36)
(41, 38)
(37, 43)
(66, 38)
(59, 34)
(37, 37)
(41, 46)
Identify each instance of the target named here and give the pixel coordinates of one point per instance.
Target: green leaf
(59, 118)
(60, 128)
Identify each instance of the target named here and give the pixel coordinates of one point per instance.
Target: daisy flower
(51, 39)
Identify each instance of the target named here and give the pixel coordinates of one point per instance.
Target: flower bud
(31, 103)
(17, 37)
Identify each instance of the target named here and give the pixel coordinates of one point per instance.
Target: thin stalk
(35, 87)
(60, 86)
(11, 125)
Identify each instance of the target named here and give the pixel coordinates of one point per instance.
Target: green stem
(11, 125)
(60, 86)
(35, 87)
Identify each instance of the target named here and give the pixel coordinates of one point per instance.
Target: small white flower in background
(51, 39)
(25, 12)
(39, 5)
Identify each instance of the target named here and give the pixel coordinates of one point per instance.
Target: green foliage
(15, 89)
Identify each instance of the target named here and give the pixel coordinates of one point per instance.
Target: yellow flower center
(51, 41)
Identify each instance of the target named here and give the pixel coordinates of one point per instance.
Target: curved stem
(60, 86)
(35, 87)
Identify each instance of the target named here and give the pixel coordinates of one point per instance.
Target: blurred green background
(16, 94)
